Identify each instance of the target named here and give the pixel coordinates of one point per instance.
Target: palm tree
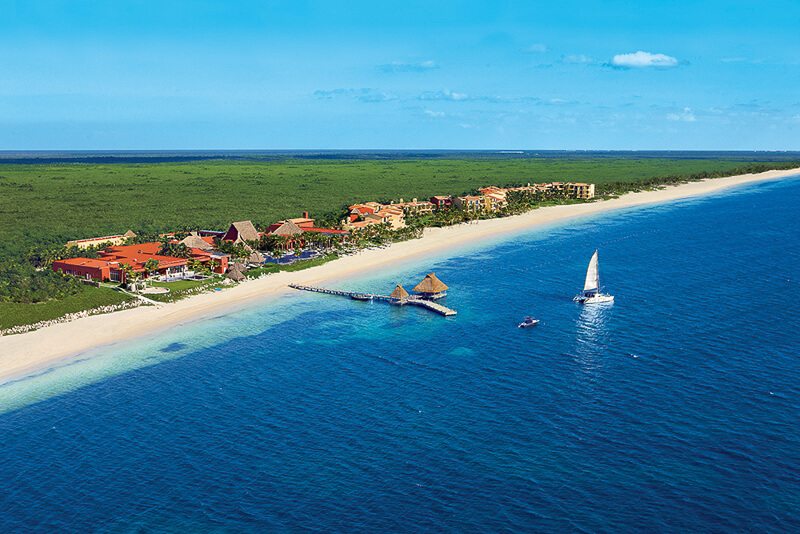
(129, 276)
(240, 252)
(282, 242)
(151, 266)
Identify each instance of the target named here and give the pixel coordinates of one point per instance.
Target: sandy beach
(25, 354)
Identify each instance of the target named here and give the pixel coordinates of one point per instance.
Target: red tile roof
(137, 255)
(85, 262)
(325, 230)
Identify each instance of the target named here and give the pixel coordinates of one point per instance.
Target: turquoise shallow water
(674, 409)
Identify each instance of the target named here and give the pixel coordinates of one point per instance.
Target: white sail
(592, 275)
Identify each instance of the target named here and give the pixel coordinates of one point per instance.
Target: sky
(299, 74)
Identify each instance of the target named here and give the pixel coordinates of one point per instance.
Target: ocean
(674, 409)
(51, 157)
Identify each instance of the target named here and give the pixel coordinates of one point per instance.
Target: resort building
(494, 198)
(580, 190)
(394, 217)
(110, 265)
(87, 268)
(299, 226)
(441, 202)
(304, 222)
(497, 195)
(211, 233)
(470, 203)
(493, 190)
(431, 287)
(137, 255)
(415, 207)
(112, 269)
(104, 240)
(241, 232)
(284, 228)
(369, 213)
(194, 240)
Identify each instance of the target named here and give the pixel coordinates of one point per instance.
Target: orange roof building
(297, 226)
(369, 213)
(110, 265)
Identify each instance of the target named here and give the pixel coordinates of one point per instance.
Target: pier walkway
(358, 295)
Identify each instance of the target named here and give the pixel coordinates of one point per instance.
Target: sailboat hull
(591, 287)
(594, 299)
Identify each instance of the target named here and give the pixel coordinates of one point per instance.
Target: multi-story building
(369, 213)
(580, 190)
(441, 202)
(470, 203)
(415, 207)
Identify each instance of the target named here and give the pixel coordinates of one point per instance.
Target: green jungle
(42, 206)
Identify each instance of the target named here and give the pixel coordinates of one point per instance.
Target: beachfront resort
(138, 261)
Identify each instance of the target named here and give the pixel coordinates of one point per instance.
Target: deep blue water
(675, 409)
(48, 157)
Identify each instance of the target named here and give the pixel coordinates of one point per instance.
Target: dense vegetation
(83, 298)
(44, 205)
(47, 205)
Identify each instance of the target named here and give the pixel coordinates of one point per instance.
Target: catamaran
(591, 287)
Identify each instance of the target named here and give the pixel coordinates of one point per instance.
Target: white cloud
(364, 94)
(444, 95)
(640, 59)
(537, 48)
(578, 59)
(402, 66)
(434, 114)
(686, 115)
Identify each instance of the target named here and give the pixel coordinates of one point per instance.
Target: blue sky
(127, 74)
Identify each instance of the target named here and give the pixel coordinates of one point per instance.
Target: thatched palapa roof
(255, 257)
(129, 233)
(195, 241)
(236, 272)
(399, 293)
(235, 275)
(287, 228)
(430, 284)
(245, 231)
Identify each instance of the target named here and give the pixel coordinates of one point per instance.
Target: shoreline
(24, 354)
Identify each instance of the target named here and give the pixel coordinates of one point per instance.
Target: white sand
(27, 353)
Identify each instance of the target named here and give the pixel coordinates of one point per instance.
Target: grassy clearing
(15, 314)
(183, 288)
(297, 266)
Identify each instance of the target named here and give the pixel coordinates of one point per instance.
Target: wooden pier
(360, 295)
